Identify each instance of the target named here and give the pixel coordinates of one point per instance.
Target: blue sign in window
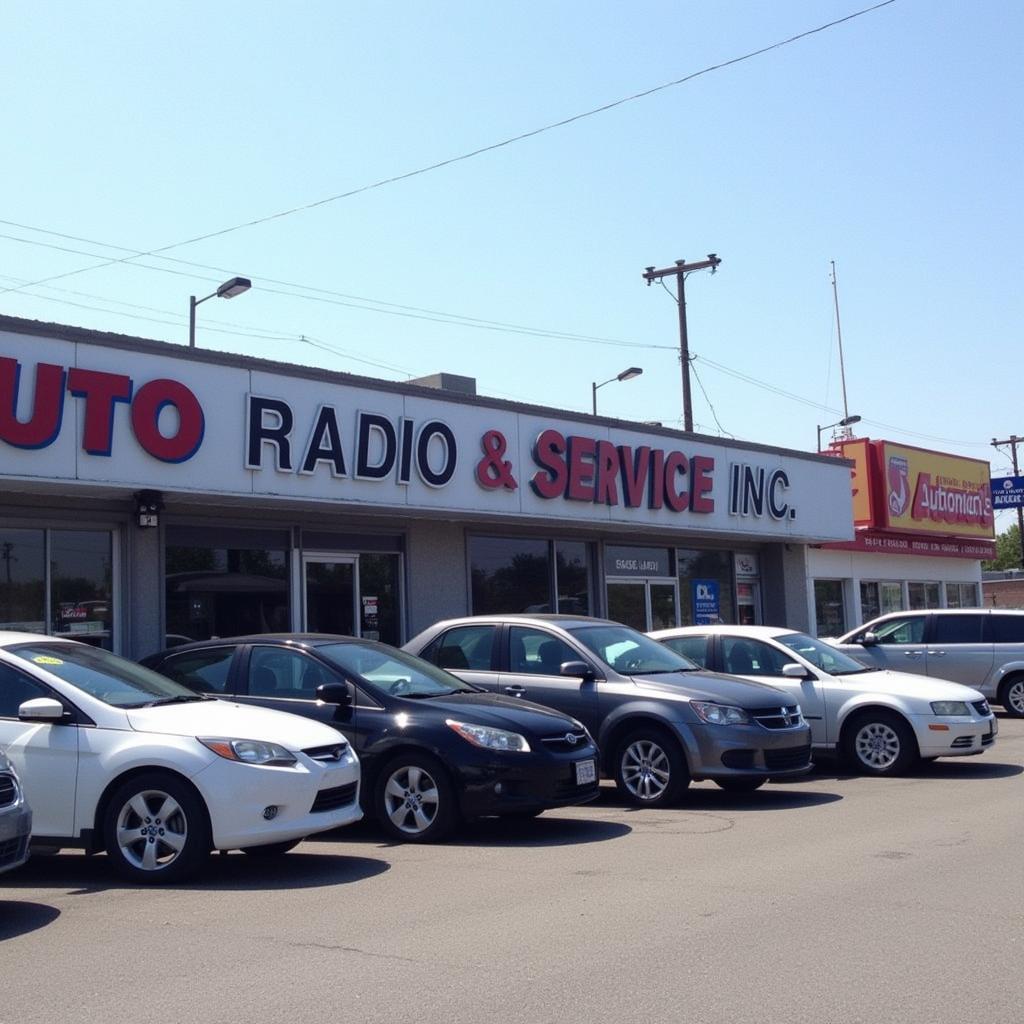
(706, 604)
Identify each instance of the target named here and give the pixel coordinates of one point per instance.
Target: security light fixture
(628, 374)
(228, 290)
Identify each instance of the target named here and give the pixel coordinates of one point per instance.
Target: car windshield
(631, 653)
(113, 680)
(392, 672)
(822, 655)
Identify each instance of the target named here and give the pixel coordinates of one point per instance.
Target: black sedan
(434, 750)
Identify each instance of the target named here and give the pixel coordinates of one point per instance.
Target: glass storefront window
(510, 574)
(572, 577)
(870, 602)
(694, 565)
(23, 580)
(219, 591)
(80, 601)
(962, 595)
(892, 597)
(379, 588)
(829, 607)
(923, 595)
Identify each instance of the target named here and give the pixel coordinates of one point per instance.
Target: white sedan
(113, 756)
(881, 721)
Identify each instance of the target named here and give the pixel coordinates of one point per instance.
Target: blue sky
(891, 144)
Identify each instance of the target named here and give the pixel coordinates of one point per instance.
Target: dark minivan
(434, 749)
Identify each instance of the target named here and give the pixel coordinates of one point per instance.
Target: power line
(393, 179)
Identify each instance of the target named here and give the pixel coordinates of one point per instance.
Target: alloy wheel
(411, 799)
(646, 770)
(151, 830)
(877, 745)
(1015, 696)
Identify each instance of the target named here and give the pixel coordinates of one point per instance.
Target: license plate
(585, 772)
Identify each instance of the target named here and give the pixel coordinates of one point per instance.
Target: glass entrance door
(644, 604)
(331, 592)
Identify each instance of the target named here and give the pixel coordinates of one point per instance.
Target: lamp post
(228, 290)
(846, 421)
(627, 374)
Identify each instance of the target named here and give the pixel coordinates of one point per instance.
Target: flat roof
(133, 343)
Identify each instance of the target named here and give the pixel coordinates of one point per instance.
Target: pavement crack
(338, 948)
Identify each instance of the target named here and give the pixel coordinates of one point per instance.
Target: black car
(434, 750)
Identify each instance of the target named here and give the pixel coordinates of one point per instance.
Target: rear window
(958, 629)
(1007, 629)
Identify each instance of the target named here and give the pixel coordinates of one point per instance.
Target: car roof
(755, 632)
(541, 618)
(299, 639)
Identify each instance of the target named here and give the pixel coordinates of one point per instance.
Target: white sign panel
(93, 414)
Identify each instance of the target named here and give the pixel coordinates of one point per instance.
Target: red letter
(549, 480)
(701, 468)
(47, 407)
(581, 474)
(677, 498)
(100, 391)
(607, 463)
(146, 409)
(657, 496)
(634, 473)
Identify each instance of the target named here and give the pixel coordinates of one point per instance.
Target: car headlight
(491, 739)
(719, 714)
(950, 707)
(250, 751)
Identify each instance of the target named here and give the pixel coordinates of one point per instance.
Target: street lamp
(228, 290)
(628, 374)
(846, 421)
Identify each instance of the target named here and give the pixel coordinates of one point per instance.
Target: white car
(113, 756)
(882, 721)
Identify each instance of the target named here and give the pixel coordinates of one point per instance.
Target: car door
(534, 660)
(45, 754)
(762, 662)
(469, 652)
(900, 645)
(960, 649)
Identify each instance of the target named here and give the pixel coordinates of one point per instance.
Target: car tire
(1011, 696)
(156, 829)
(414, 800)
(650, 768)
(271, 849)
(880, 743)
(740, 784)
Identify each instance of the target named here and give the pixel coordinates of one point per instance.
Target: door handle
(936, 654)
(912, 654)
(515, 691)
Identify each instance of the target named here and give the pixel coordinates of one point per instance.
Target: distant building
(1003, 589)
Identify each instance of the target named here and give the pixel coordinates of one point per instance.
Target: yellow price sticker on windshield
(45, 659)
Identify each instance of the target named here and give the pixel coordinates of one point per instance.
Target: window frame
(231, 687)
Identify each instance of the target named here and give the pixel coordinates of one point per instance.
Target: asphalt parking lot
(833, 899)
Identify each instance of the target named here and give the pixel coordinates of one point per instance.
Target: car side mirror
(577, 670)
(41, 709)
(334, 693)
(869, 639)
(794, 671)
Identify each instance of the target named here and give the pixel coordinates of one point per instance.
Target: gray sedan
(659, 719)
(15, 818)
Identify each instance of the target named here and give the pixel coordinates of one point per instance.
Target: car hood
(713, 686)
(228, 720)
(501, 712)
(906, 684)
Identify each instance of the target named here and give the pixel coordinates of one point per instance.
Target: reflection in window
(829, 607)
(572, 567)
(23, 580)
(379, 613)
(961, 595)
(923, 595)
(214, 592)
(510, 574)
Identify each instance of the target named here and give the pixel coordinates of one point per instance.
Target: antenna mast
(842, 366)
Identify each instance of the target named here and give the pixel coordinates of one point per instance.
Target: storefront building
(923, 522)
(153, 494)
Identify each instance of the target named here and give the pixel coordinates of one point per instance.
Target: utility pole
(679, 271)
(839, 334)
(1013, 440)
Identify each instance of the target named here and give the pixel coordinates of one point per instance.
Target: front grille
(785, 717)
(332, 799)
(12, 850)
(561, 744)
(738, 759)
(331, 753)
(8, 790)
(981, 706)
(787, 758)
